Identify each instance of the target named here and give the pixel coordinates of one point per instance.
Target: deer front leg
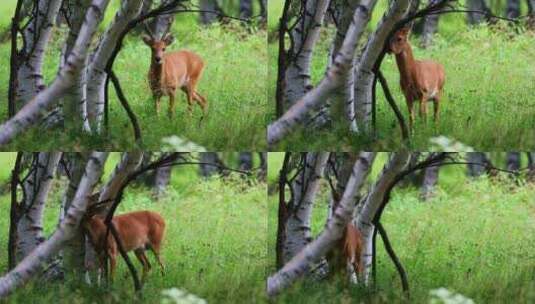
(423, 109)
(410, 105)
(171, 110)
(157, 104)
(113, 263)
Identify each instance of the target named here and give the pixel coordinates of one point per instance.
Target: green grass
(473, 237)
(487, 101)
(205, 249)
(233, 82)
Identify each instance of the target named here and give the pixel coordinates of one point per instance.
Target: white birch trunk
(95, 74)
(37, 34)
(36, 187)
(333, 79)
(372, 203)
(36, 109)
(315, 250)
(304, 187)
(304, 35)
(364, 71)
(35, 261)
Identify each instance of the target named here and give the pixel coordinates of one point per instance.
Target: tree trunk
(34, 262)
(372, 204)
(207, 159)
(246, 161)
(246, 9)
(429, 182)
(74, 101)
(513, 161)
(209, 6)
(36, 36)
(304, 36)
(314, 251)
(364, 72)
(475, 170)
(36, 188)
(476, 5)
(96, 74)
(531, 166)
(430, 27)
(305, 186)
(513, 9)
(263, 10)
(262, 173)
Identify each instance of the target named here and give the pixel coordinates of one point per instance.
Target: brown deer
(138, 231)
(420, 80)
(171, 71)
(347, 253)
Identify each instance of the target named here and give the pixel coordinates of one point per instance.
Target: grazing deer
(420, 80)
(347, 253)
(171, 71)
(138, 231)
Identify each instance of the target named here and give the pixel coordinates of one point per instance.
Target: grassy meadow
(234, 83)
(474, 237)
(205, 251)
(488, 95)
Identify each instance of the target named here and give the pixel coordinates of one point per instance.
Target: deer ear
(405, 31)
(168, 39)
(147, 40)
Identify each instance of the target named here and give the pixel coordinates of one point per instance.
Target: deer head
(399, 41)
(157, 46)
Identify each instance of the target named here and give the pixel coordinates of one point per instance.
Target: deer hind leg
(351, 272)
(113, 264)
(140, 254)
(202, 102)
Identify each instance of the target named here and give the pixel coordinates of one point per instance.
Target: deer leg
(171, 110)
(436, 104)
(202, 102)
(423, 105)
(140, 254)
(351, 272)
(156, 250)
(157, 104)
(410, 105)
(113, 263)
(190, 93)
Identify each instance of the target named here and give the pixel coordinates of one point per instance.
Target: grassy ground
(233, 82)
(487, 102)
(205, 251)
(474, 237)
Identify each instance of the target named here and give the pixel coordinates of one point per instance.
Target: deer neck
(406, 63)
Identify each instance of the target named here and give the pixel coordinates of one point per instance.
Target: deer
(347, 253)
(173, 70)
(420, 81)
(138, 231)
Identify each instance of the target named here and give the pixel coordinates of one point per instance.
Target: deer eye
(163, 49)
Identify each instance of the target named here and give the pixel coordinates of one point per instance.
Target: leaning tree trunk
(96, 74)
(34, 111)
(263, 10)
(74, 250)
(430, 27)
(476, 5)
(304, 188)
(36, 187)
(333, 79)
(36, 36)
(304, 36)
(74, 101)
(314, 251)
(372, 205)
(364, 72)
(34, 262)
